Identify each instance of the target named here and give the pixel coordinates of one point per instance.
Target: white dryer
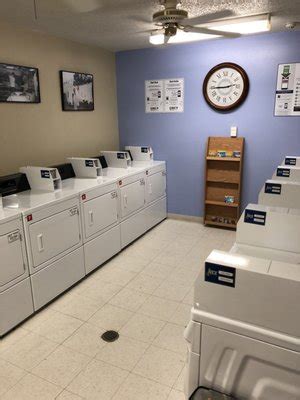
(244, 334)
(292, 161)
(54, 241)
(100, 218)
(15, 289)
(280, 194)
(269, 232)
(287, 173)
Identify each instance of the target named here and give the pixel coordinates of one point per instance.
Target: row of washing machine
(59, 231)
(244, 334)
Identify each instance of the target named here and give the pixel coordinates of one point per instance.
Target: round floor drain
(110, 336)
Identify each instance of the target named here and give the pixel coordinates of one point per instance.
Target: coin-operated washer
(86, 167)
(53, 233)
(156, 190)
(293, 161)
(287, 173)
(99, 211)
(15, 289)
(279, 193)
(140, 153)
(269, 232)
(244, 334)
(131, 194)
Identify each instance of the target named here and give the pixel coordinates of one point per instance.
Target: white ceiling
(117, 24)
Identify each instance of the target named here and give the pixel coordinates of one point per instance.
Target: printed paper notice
(288, 90)
(154, 96)
(174, 95)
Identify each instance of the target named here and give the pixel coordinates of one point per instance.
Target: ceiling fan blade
(207, 18)
(207, 31)
(152, 31)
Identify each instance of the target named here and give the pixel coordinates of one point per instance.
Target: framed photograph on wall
(77, 91)
(19, 84)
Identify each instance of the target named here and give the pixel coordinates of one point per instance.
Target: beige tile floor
(146, 294)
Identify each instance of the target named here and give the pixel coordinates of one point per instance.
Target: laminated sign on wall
(288, 90)
(164, 96)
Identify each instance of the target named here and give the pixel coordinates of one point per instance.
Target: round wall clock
(225, 86)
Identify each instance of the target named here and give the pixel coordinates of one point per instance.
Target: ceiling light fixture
(243, 25)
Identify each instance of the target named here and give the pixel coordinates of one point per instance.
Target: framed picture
(77, 91)
(19, 84)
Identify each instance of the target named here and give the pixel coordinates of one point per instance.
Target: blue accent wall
(180, 138)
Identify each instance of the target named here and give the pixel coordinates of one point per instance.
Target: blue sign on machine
(284, 172)
(219, 274)
(89, 163)
(273, 188)
(45, 173)
(290, 161)
(255, 217)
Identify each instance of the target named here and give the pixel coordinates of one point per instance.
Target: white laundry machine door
(13, 256)
(100, 213)
(155, 186)
(54, 235)
(132, 197)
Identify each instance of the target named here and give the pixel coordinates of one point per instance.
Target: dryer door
(132, 197)
(13, 265)
(156, 186)
(100, 213)
(54, 235)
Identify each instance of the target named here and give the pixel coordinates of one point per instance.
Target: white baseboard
(185, 218)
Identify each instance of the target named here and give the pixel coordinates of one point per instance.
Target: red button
(83, 197)
(29, 217)
(120, 183)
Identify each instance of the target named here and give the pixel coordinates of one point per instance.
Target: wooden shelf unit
(223, 177)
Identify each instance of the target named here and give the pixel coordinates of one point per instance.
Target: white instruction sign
(288, 90)
(174, 92)
(154, 100)
(164, 95)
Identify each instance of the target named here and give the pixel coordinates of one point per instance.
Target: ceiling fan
(172, 18)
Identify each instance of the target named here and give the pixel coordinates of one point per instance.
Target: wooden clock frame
(244, 76)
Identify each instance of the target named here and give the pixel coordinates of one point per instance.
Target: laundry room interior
(149, 200)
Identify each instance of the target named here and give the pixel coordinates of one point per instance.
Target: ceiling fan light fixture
(244, 25)
(182, 37)
(157, 38)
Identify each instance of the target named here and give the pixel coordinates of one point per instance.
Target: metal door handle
(40, 243)
(91, 215)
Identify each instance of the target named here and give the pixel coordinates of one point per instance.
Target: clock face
(225, 86)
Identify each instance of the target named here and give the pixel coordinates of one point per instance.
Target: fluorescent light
(244, 26)
(181, 37)
(156, 39)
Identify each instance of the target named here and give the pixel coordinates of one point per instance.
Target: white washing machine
(100, 219)
(53, 235)
(244, 334)
(280, 194)
(287, 173)
(15, 289)
(156, 191)
(269, 232)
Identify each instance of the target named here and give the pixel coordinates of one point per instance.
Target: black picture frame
(77, 91)
(19, 84)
